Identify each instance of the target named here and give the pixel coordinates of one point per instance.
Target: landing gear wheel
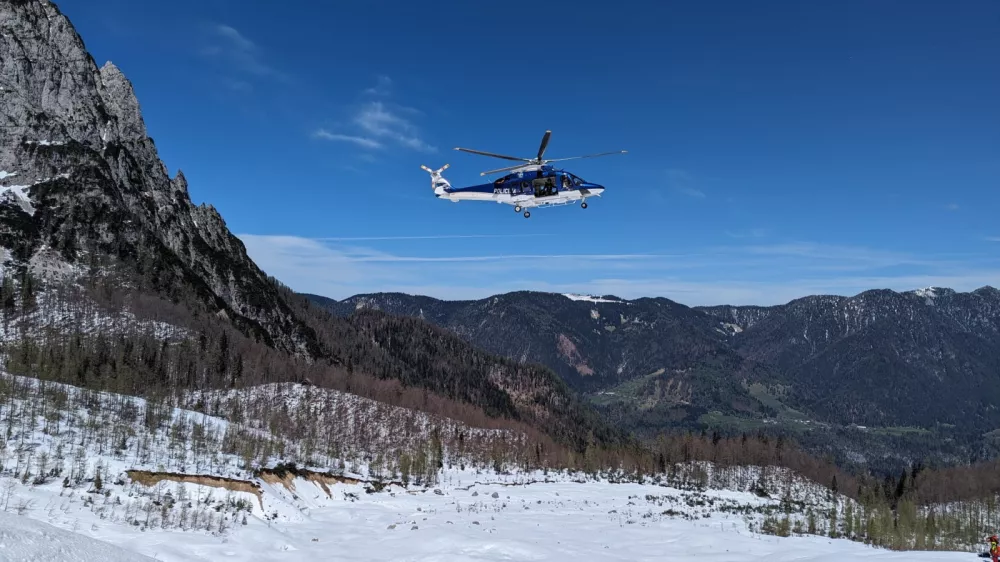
(527, 214)
(517, 208)
(583, 205)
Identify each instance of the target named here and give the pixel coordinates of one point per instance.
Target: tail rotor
(438, 183)
(435, 172)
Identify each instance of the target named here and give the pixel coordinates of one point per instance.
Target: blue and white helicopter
(533, 184)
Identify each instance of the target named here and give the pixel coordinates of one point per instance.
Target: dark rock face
(82, 182)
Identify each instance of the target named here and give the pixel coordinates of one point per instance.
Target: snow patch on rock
(588, 298)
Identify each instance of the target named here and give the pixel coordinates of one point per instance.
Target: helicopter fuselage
(540, 186)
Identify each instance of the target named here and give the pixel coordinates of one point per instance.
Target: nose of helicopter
(593, 188)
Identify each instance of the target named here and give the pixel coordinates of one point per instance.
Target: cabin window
(543, 183)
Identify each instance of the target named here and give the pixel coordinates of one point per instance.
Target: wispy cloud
(381, 88)
(241, 86)
(755, 274)
(429, 237)
(503, 257)
(993, 238)
(236, 38)
(377, 119)
(691, 192)
(952, 206)
(239, 53)
(684, 183)
(376, 123)
(360, 141)
(752, 233)
(831, 257)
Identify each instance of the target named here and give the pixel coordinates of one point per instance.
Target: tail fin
(438, 183)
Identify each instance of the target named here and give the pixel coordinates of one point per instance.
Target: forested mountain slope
(883, 377)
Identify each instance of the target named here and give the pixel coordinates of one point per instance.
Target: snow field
(23, 538)
(55, 440)
(545, 521)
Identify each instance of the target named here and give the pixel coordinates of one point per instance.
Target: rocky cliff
(83, 185)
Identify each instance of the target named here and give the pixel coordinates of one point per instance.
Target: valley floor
(556, 521)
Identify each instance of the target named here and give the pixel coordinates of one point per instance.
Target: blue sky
(776, 149)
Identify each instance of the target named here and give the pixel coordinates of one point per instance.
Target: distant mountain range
(882, 376)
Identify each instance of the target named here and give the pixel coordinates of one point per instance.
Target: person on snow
(994, 548)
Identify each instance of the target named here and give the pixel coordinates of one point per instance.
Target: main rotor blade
(501, 170)
(587, 156)
(493, 155)
(544, 145)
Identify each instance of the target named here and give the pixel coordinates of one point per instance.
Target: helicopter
(532, 184)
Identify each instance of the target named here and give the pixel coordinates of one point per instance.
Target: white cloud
(376, 123)
(239, 52)
(952, 206)
(993, 238)
(338, 268)
(376, 119)
(502, 257)
(430, 237)
(235, 37)
(360, 141)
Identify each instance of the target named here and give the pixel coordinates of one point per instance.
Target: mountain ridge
(815, 367)
(984, 289)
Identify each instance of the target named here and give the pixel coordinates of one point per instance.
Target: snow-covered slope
(324, 425)
(174, 484)
(67, 310)
(23, 538)
(492, 522)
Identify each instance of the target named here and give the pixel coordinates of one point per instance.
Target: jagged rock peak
(179, 182)
(121, 102)
(49, 79)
